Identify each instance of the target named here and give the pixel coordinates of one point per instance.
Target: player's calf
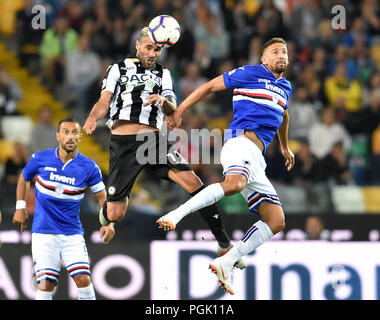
(112, 212)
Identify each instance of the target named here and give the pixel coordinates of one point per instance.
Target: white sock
(254, 237)
(208, 196)
(44, 295)
(86, 293)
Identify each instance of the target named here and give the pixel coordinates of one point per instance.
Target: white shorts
(49, 249)
(241, 156)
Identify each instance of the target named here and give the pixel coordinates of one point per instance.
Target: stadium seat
(17, 128)
(293, 198)
(6, 148)
(371, 198)
(348, 199)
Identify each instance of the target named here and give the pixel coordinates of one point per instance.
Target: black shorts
(129, 154)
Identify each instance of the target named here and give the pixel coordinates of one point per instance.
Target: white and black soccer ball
(164, 31)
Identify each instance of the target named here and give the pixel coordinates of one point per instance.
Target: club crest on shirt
(59, 190)
(111, 190)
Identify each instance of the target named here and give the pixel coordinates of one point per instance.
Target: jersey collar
(271, 73)
(57, 155)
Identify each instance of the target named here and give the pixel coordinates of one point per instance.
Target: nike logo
(221, 269)
(216, 216)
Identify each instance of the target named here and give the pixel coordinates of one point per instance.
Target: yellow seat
(6, 148)
(371, 198)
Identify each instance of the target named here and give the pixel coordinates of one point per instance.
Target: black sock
(213, 218)
(105, 211)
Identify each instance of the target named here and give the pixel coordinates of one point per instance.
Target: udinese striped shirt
(130, 85)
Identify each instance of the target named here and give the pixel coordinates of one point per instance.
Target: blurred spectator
(307, 166)
(262, 29)
(254, 51)
(196, 13)
(1, 127)
(202, 58)
(142, 203)
(159, 7)
(303, 114)
(82, 70)
(370, 11)
(371, 114)
(44, 132)
(375, 141)
(15, 163)
(342, 56)
(185, 47)
(10, 93)
(119, 39)
(223, 98)
(270, 12)
(73, 11)
(28, 38)
(325, 37)
(94, 91)
(314, 229)
(305, 18)
(335, 166)
(294, 68)
(98, 25)
(372, 85)
(357, 34)
(275, 169)
(325, 133)
(319, 63)
(374, 161)
(191, 80)
(339, 89)
(57, 43)
(215, 36)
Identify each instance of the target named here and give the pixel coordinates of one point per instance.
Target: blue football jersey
(60, 189)
(259, 101)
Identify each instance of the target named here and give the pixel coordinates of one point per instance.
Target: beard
(69, 148)
(280, 68)
(147, 62)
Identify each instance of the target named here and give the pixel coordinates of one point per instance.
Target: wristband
(20, 204)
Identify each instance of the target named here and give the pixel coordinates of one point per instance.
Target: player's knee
(46, 285)
(82, 280)
(277, 224)
(233, 184)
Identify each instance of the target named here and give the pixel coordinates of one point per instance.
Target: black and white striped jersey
(131, 84)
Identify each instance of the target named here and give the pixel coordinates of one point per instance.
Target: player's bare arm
(20, 216)
(98, 112)
(167, 104)
(282, 133)
(214, 85)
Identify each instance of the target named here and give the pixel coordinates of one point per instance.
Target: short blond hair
(272, 41)
(143, 33)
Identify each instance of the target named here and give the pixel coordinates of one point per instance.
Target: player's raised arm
(98, 112)
(214, 85)
(20, 216)
(167, 104)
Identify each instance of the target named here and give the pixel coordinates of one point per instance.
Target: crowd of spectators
(335, 72)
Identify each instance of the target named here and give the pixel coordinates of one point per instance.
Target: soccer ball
(164, 31)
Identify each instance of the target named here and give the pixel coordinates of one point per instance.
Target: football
(164, 31)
